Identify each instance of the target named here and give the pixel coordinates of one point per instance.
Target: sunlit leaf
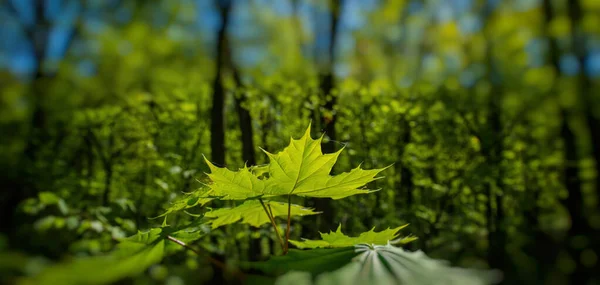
(338, 239)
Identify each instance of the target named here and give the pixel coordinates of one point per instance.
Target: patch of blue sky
(414, 6)
(345, 44)
(158, 17)
(569, 65)
(249, 56)
(11, 34)
(525, 5)
(281, 7)
(52, 9)
(95, 25)
(467, 78)
(123, 14)
(536, 50)
(592, 64)
(22, 63)
(430, 63)
(452, 62)
(208, 20)
(461, 6)
(86, 68)
(443, 12)
(592, 43)
(493, 4)
(25, 10)
(58, 41)
(342, 69)
(352, 15)
(469, 24)
(243, 22)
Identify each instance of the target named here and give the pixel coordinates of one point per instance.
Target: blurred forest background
(488, 110)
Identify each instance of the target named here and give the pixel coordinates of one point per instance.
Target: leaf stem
(289, 222)
(272, 219)
(210, 259)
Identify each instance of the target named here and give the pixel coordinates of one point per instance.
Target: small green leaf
(251, 212)
(189, 200)
(338, 239)
(48, 198)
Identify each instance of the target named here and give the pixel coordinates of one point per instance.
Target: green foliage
(338, 239)
(336, 259)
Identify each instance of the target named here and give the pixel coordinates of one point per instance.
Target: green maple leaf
(189, 200)
(251, 212)
(300, 169)
(338, 239)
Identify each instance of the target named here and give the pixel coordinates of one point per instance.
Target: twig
(287, 230)
(212, 260)
(272, 219)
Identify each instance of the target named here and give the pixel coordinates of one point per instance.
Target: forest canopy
(300, 142)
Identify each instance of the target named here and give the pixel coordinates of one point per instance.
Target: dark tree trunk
(406, 186)
(585, 90)
(574, 201)
(108, 172)
(328, 120)
(497, 255)
(217, 124)
(245, 120)
(572, 182)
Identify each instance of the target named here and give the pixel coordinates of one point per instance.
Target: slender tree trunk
(574, 202)
(494, 156)
(217, 125)
(405, 197)
(328, 120)
(585, 88)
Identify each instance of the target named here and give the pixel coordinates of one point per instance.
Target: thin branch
(287, 230)
(212, 260)
(272, 219)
